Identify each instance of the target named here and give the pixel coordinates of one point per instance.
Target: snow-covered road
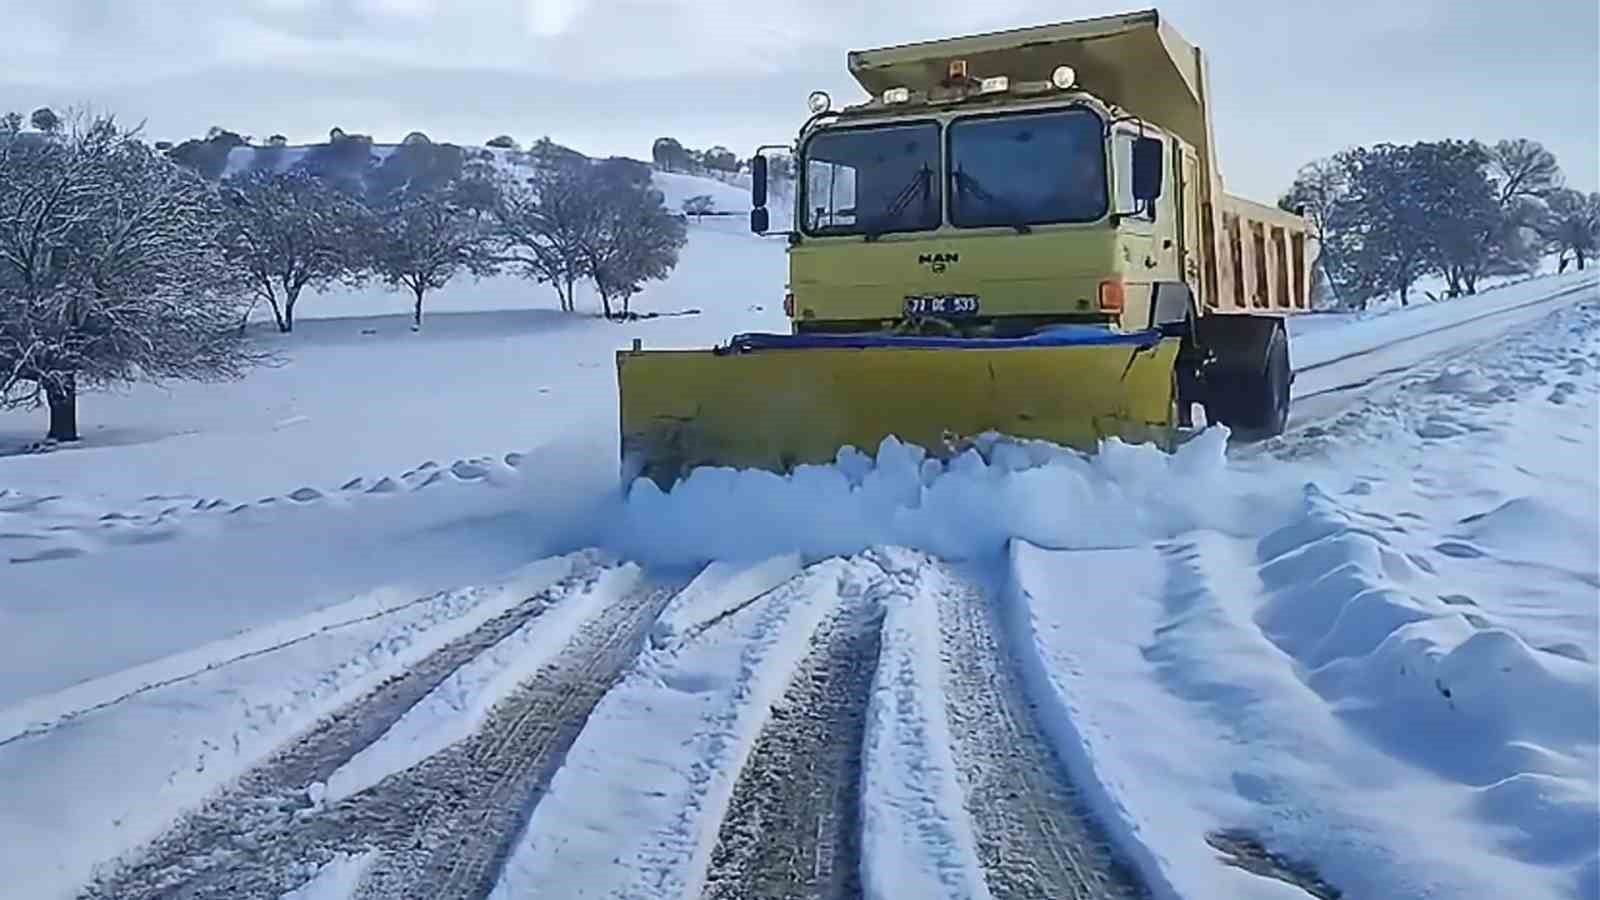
(1335, 366)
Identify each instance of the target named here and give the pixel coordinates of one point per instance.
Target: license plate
(942, 305)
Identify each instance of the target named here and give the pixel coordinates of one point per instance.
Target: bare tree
(1472, 235)
(110, 270)
(1523, 168)
(541, 225)
(669, 155)
(1572, 225)
(291, 231)
(427, 239)
(45, 119)
(636, 239)
(1318, 192)
(699, 205)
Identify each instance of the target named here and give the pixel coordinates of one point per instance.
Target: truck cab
(992, 211)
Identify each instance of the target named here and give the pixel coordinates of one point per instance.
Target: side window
(1122, 163)
(830, 195)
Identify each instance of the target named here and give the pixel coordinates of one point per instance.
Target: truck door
(1189, 237)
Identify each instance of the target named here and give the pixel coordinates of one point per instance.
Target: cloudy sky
(1293, 80)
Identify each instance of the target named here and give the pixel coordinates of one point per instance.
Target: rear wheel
(1253, 402)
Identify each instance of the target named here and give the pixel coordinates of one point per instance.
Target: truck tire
(1254, 403)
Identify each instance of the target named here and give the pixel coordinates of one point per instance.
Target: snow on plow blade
(776, 401)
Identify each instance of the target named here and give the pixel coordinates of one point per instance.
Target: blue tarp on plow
(1058, 336)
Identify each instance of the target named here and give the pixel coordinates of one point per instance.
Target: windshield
(873, 180)
(1028, 169)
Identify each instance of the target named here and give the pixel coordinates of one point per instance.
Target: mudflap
(774, 409)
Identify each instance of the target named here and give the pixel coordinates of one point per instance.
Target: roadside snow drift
(1393, 690)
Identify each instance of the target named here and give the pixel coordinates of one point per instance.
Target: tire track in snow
(44, 725)
(264, 835)
(457, 850)
(1036, 836)
(793, 823)
(636, 808)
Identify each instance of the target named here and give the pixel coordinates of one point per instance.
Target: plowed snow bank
(960, 509)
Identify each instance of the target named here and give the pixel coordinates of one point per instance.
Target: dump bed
(1264, 262)
(1135, 61)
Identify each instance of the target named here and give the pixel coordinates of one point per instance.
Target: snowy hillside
(382, 616)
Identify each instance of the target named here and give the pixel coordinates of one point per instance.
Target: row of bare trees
(121, 262)
(1388, 215)
(428, 213)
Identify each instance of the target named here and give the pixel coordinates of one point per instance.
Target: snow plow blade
(772, 402)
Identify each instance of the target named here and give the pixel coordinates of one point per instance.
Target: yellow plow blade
(776, 408)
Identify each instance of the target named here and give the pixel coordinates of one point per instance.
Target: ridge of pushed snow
(1038, 622)
(916, 839)
(719, 591)
(966, 507)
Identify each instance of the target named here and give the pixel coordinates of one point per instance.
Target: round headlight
(1063, 77)
(819, 101)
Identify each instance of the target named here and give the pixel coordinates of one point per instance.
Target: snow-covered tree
(111, 269)
(290, 231)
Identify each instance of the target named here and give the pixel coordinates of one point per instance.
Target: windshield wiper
(920, 183)
(967, 182)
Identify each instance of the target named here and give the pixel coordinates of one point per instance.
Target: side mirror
(759, 220)
(1147, 166)
(758, 182)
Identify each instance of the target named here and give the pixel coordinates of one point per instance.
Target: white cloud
(548, 18)
(411, 9)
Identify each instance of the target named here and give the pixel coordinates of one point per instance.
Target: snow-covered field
(260, 624)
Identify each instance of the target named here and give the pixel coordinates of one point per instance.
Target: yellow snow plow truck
(1021, 232)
